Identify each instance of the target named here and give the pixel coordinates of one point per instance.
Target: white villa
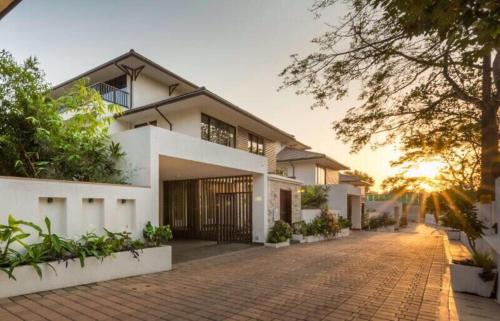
(346, 193)
(197, 161)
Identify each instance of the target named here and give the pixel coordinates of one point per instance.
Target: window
(217, 131)
(119, 82)
(152, 123)
(320, 175)
(255, 144)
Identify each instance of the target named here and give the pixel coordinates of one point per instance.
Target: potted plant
(279, 235)
(476, 275)
(344, 225)
(453, 224)
(299, 231)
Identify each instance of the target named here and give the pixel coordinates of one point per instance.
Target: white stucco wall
(70, 211)
(302, 171)
(382, 207)
(146, 90)
(144, 146)
(497, 201)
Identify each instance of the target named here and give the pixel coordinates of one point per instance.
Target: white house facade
(345, 192)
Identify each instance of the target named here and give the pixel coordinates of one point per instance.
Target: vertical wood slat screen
(216, 209)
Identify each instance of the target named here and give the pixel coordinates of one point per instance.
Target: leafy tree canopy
(425, 67)
(43, 137)
(362, 175)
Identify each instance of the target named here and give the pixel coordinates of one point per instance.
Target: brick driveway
(368, 276)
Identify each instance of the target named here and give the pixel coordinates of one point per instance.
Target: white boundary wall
(75, 208)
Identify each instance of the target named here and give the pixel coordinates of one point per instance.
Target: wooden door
(286, 206)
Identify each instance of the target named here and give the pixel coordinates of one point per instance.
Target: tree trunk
(489, 136)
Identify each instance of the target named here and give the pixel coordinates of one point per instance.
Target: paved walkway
(368, 276)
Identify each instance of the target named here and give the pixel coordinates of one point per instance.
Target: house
(396, 205)
(209, 165)
(345, 192)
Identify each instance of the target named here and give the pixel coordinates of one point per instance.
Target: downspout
(293, 169)
(168, 121)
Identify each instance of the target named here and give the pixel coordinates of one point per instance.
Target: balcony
(112, 94)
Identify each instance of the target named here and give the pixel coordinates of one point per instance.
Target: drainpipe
(293, 169)
(168, 121)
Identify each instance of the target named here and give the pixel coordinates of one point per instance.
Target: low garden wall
(75, 207)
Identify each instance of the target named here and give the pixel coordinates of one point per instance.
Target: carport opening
(212, 209)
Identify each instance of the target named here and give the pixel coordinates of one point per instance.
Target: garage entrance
(212, 209)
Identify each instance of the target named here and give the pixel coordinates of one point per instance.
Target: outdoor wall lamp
(91, 200)
(50, 200)
(124, 201)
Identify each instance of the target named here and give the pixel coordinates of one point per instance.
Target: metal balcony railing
(112, 94)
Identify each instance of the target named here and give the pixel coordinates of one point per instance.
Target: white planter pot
(298, 238)
(277, 245)
(121, 265)
(345, 232)
(313, 238)
(453, 235)
(466, 279)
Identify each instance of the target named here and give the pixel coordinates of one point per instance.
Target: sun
(425, 174)
(428, 169)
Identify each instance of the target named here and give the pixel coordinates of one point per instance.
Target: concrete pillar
(259, 208)
(356, 217)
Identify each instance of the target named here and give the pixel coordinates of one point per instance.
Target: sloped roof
(353, 180)
(291, 154)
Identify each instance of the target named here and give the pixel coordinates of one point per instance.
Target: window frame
(252, 138)
(319, 167)
(212, 121)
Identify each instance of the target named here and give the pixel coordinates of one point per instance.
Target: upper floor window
(320, 175)
(217, 131)
(119, 82)
(255, 144)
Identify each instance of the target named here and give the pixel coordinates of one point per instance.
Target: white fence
(75, 208)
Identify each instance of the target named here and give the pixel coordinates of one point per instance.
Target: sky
(235, 48)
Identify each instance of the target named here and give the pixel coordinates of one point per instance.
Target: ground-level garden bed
(62, 274)
(32, 263)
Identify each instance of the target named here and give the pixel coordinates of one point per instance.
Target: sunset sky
(234, 48)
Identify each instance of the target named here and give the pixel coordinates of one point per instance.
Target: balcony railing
(112, 94)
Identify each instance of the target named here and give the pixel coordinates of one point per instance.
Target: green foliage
(14, 251)
(343, 222)
(280, 232)
(456, 209)
(484, 261)
(429, 76)
(365, 177)
(326, 224)
(300, 228)
(314, 196)
(157, 235)
(63, 138)
(380, 221)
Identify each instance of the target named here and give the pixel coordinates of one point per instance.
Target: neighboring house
(210, 165)
(345, 193)
(396, 206)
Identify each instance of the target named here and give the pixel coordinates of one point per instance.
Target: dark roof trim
(7, 9)
(319, 156)
(205, 92)
(131, 53)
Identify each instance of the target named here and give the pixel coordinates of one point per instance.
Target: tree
(363, 176)
(421, 63)
(64, 138)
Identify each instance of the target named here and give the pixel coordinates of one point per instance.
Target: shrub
(330, 225)
(380, 221)
(157, 235)
(343, 222)
(299, 228)
(280, 232)
(403, 221)
(314, 196)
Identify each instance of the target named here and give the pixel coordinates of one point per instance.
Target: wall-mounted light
(50, 200)
(124, 201)
(91, 200)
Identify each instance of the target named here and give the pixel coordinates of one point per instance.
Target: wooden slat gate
(215, 209)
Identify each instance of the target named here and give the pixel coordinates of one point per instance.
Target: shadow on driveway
(189, 250)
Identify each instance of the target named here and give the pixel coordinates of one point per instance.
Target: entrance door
(286, 206)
